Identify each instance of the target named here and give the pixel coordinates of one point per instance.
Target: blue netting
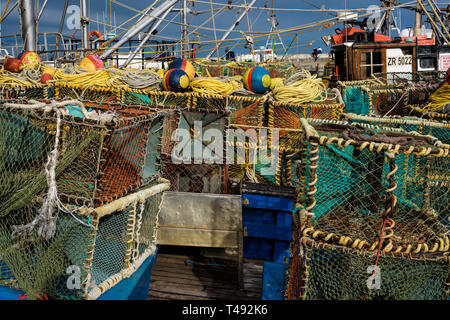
(356, 101)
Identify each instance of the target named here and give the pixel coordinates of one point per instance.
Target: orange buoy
(29, 58)
(91, 63)
(48, 74)
(12, 64)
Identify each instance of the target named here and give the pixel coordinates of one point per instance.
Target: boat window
(427, 63)
(370, 63)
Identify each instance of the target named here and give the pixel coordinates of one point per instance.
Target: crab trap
(196, 162)
(287, 115)
(395, 99)
(264, 155)
(208, 68)
(276, 70)
(374, 224)
(35, 92)
(99, 152)
(89, 251)
(440, 130)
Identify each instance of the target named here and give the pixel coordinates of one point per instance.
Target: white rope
(46, 218)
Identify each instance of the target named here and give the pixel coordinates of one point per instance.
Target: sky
(259, 20)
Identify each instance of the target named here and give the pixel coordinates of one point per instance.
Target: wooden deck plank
(204, 279)
(249, 284)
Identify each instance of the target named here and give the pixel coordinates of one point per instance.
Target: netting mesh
(197, 145)
(285, 115)
(91, 251)
(276, 70)
(423, 77)
(265, 157)
(374, 224)
(356, 100)
(98, 161)
(36, 92)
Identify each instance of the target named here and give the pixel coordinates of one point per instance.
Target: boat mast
(146, 20)
(141, 45)
(28, 24)
(84, 21)
(184, 31)
(418, 21)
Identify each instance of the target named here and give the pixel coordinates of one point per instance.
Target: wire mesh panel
(98, 159)
(423, 77)
(374, 225)
(91, 251)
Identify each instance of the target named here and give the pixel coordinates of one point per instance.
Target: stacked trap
(80, 195)
(380, 97)
(372, 223)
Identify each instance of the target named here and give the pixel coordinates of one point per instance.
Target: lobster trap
(97, 160)
(386, 99)
(276, 70)
(92, 249)
(264, 155)
(375, 221)
(287, 115)
(356, 99)
(394, 100)
(194, 158)
(440, 130)
(32, 92)
(64, 90)
(208, 68)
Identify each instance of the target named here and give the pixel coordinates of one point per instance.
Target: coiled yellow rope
(306, 90)
(439, 99)
(101, 78)
(220, 86)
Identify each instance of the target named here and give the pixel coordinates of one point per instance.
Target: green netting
(38, 266)
(401, 279)
(367, 183)
(84, 252)
(356, 100)
(98, 161)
